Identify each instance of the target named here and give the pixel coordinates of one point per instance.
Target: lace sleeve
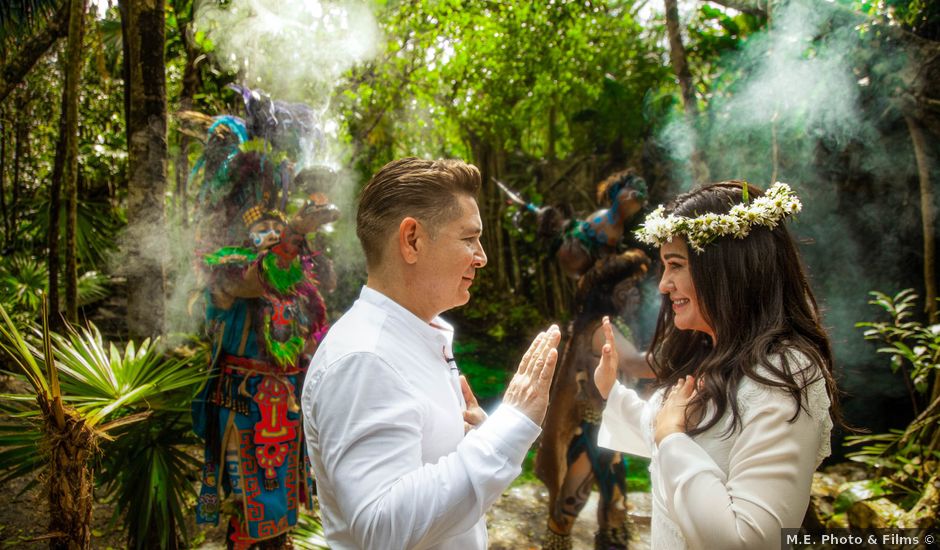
(752, 395)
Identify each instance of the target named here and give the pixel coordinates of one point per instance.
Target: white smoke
(296, 50)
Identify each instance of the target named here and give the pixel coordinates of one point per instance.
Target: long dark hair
(754, 294)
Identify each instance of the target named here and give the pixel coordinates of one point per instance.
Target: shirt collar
(438, 329)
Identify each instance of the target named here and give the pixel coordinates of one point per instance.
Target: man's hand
(312, 217)
(606, 372)
(528, 391)
(672, 416)
(474, 415)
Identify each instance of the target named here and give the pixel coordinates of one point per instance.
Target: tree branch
(752, 7)
(15, 69)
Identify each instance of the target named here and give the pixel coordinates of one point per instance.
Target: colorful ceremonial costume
(254, 397)
(569, 461)
(579, 244)
(264, 316)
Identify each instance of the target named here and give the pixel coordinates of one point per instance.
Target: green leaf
(855, 491)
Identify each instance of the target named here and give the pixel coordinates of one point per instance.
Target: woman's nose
(665, 284)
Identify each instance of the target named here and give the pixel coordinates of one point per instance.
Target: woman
(746, 397)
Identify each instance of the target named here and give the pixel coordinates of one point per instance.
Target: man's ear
(409, 231)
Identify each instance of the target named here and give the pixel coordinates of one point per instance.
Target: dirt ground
(516, 521)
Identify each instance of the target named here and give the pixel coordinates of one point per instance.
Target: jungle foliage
(907, 461)
(131, 404)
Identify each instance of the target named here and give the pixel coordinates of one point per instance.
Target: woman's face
(676, 284)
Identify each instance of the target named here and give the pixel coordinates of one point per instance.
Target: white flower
(767, 210)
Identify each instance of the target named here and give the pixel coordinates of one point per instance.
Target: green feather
(282, 280)
(284, 353)
(230, 254)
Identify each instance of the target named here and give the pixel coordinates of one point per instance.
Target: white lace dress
(714, 491)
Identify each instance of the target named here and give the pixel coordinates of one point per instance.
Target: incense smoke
(295, 51)
(794, 107)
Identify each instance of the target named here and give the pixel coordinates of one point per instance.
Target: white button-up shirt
(384, 426)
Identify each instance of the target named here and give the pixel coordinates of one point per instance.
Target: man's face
(451, 258)
(265, 234)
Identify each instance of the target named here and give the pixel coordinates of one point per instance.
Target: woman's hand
(606, 372)
(672, 416)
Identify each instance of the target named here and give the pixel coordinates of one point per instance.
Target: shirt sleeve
(767, 487)
(623, 422)
(369, 422)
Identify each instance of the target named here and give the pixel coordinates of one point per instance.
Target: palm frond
(23, 280)
(100, 380)
(20, 449)
(150, 474)
(24, 355)
(18, 16)
(92, 286)
(97, 226)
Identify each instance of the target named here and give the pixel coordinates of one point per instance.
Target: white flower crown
(767, 210)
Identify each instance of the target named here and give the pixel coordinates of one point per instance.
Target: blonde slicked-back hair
(426, 190)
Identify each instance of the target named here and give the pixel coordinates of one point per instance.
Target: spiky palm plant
(68, 440)
(131, 404)
(308, 535)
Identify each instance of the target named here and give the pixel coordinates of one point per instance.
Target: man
(384, 408)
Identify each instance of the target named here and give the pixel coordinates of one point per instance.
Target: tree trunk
(928, 216)
(3, 172)
(145, 101)
(491, 210)
(191, 84)
(69, 481)
(686, 87)
(679, 63)
(73, 75)
(55, 205)
(21, 129)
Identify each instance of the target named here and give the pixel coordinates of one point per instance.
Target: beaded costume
(264, 315)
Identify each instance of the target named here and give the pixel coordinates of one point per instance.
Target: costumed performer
(579, 245)
(569, 460)
(265, 316)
